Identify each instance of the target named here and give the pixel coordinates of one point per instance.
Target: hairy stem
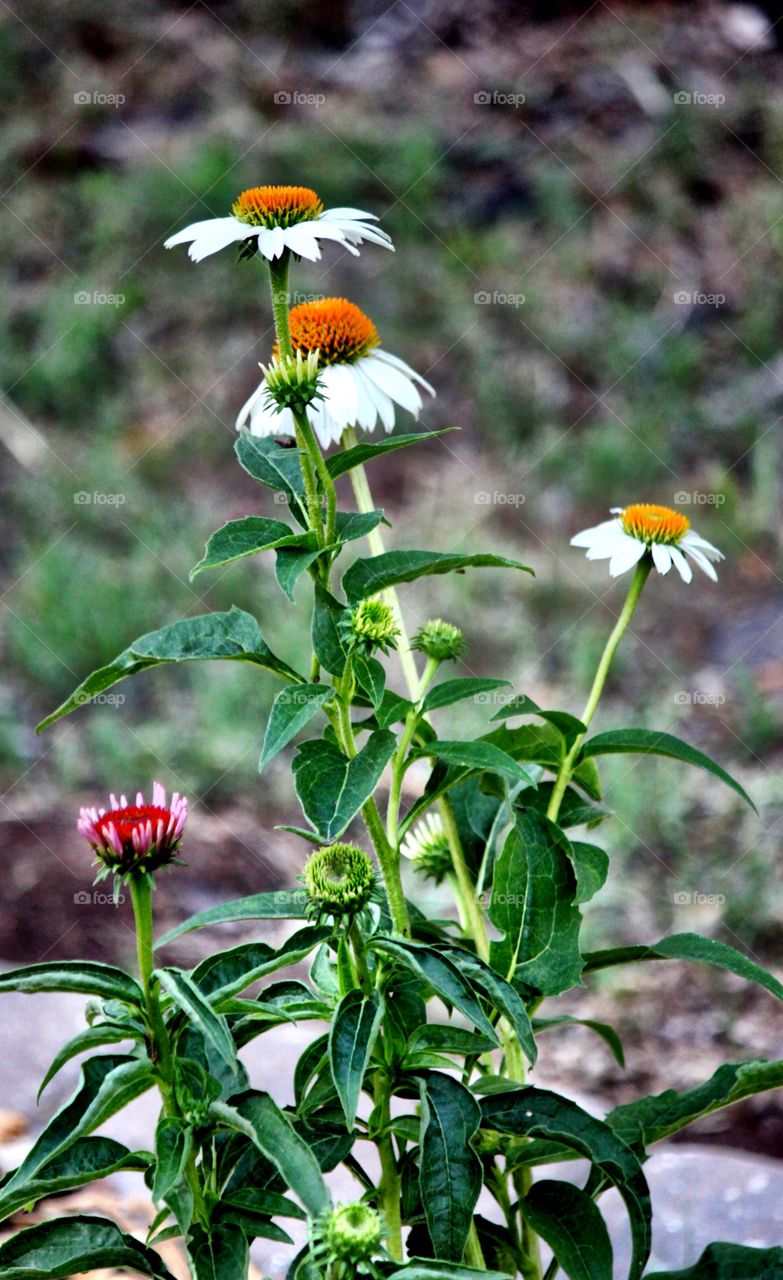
(141, 897)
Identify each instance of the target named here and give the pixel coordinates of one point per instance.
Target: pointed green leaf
(232, 636)
(246, 537)
(533, 906)
(431, 1269)
(226, 973)
(723, 1261)
(591, 865)
(291, 563)
(688, 946)
(173, 1145)
(357, 524)
(369, 576)
(571, 1224)
(371, 678)
(327, 644)
(537, 1113)
(501, 995)
(67, 1246)
(189, 999)
(293, 708)
(650, 742)
(275, 466)
(477, 756)
(352, 1036)
(88, 977)
(221, 1255)
(347, 459)
(260, 1119)
(95, 1037)
(451, 691)
(280, 904)
(602, 1029)
(450, 1174)
(86, 1160)
(566, 724)
(439, 973)
(331, 788)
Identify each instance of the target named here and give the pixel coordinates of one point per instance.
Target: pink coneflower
(136, 837)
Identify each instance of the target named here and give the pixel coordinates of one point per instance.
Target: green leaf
(451, 691)
(173, 1144)
(260, 1119)
(437, 1038)
(500, 994)
(650, 742)
(102, 1033)
(647, 1120)
(721, 1261)
(107, 1084)
(450, 1174)
(226, 973)
(246, 537)
(275, 466)
(233, 636)
(537, 1113)
(327, 645)
(439, 973)
(533, 906)
(331, 788)
(87, 977)
(291, 563)
(281, 904)
(576, 809)
(476, 756)
(602, 1029)
(347, 459)
(371, 678)
(67, 1246)
(221, 1255)
(688, 946)
(430, 1269)
(357, 524)
(87, 1160)
(197, 1009)
(292, 709)
(591, 865)
(367, 577)
(568, 1220)
(566, 724)
(352, 1036)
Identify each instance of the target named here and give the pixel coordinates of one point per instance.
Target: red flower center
(126, 821)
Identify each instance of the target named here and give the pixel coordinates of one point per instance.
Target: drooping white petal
(694, 540)
(599, 532)
(384, 406)
(303, 239)
(396, 384)
(349, 215)
(210, 235)
(661, 557)
(249, 405)
(626, 557)
(341, 398)
(271, 242)
(681, 564)
(699, 558)
(397, 363)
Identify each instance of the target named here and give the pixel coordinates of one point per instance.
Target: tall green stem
(391, 1180)
(141, 897)
(565, 773)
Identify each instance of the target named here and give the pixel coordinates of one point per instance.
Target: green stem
(141, 897)
(568, 765)
(278, 279)
(391, 1181)
(398, 760)
(327, 483)
(474, 914)
(474, 1256)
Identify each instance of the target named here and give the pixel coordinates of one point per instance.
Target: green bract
(424, 1023)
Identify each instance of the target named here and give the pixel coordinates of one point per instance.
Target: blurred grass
(599, 200)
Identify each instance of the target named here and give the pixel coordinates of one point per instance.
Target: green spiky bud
(352, 1233)
(371, 625)
(440, 640)
(427, 846)
(339, 879)
(292, 381)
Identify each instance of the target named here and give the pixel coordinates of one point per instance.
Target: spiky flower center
(339, 878)
(374, 620)
(352, 1233)
(649, 523)
(335, 327)
(440, 640)
(277, 206)
(133, 818)
(428, 847)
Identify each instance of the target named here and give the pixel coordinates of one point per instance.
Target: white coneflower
(643, 527)
(281, 218)
(427, 846)
(359, 382)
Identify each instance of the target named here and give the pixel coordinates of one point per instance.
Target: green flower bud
(440, 640)
(339, 879)
(427, 846)
(369, 626)
(292, 381)
(352, 1233)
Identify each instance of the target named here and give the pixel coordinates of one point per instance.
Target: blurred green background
(586, 208)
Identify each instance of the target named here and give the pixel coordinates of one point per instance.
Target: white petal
(681, 564)
(693, 540)
(661, 557)
(303, 239)
(397, 363)
(211, 235)
(271, 242)
(367, 413)
(327, 430)
(626, 557)
(397, 385)
(340, 215)
(384, 406)
(599, 532)
(341, 398)
(700, 559)
(249, 404)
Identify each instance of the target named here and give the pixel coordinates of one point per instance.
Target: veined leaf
(723, 1261)
(451, 691)
(501, 995)
(279, 904)
(274, 466)
(221, 1255)
(327, 644)
(688, 946)
(450, 1175)
(173, 1145)
(292, 709)
(357, 524)
(331, 788)
(347, 459)
(86, 1160)
(352, 1036)
(369, 576)
(571, 1224)
(591, 864)
(533, 905)
(194, 1005)
(233, 636)
(226, 973)
(476, 756)
(566, 724)
(431, 1269)
(602, 1029)
(67, 1246)
(94, 1037)
(650, 742)
(439, 973)
(271, 1131)
(246, 537)
(87, 977)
